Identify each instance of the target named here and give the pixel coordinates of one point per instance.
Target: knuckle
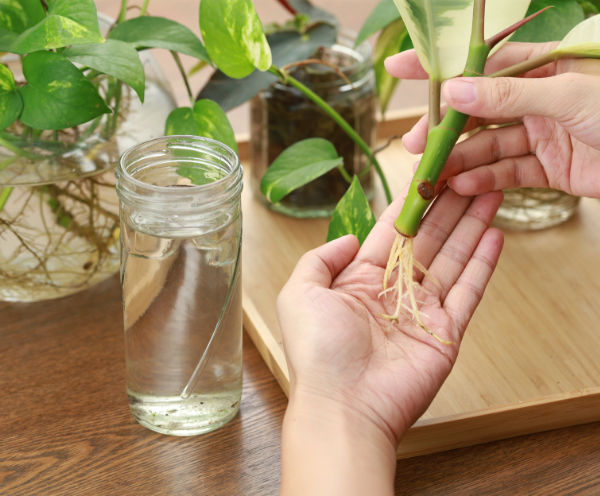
(503, 93)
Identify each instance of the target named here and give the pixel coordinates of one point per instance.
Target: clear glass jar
(59, 221)
(528, 209)
(282, 116)
(181, 277)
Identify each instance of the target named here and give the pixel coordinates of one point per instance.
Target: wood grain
(533, 345)
(66, 429)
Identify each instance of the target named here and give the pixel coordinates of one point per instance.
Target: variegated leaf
(441, 29)
(583, 40)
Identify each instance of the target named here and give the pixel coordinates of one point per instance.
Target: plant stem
(123, 14)
(19, 151)
(4, 194)
(344, 174)
(441, 139)
(183, 75)
(349, 130)
(117, 103)
(144, 8)
(435, 97)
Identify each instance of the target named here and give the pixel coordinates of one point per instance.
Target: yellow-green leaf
(352, 215)
(69, 22)
(234, 37)
(11, 103)
(583, 40)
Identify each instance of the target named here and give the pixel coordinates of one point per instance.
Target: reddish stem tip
(494, 40)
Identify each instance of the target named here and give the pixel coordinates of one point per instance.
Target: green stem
(117, 103)
(144, 8)
(123, 14)
(183, 75)
(18, 150)
(4, 194)
(345, 174)
(348, 129)
(435, 97)
(441, 139)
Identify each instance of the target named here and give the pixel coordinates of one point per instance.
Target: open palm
(556, 142)
(337, 342)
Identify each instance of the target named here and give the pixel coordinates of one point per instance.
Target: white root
(402, 258)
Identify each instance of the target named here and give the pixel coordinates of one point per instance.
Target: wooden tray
(530, 360)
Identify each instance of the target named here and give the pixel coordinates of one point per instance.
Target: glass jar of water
(181, 233)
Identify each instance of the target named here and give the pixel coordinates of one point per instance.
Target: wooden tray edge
(484, 426)
(266, 344)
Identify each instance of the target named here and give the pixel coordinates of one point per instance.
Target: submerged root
(402, 258)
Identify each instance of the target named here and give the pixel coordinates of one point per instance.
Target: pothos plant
(450, 38)
(72, 77)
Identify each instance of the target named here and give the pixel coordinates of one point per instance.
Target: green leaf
(69, 22)
(19, 15)
(391, 41)
(234, 37)
(287, 47)
(552, 25)
(158, 32)
(441, 29)
(352, 215)
(11, 103)
(207, 120)
(115, 58)
(298, 165)
(57, 95)
(384, 13)
(7, 38)
(583, 40)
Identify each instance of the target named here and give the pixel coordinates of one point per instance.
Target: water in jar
(174, 291)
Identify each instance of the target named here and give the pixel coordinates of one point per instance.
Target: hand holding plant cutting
(354, 374)
(556, 144)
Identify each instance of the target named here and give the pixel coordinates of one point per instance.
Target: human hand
(355, 374)
(557, 141)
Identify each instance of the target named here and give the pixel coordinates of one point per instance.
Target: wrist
(331, 448)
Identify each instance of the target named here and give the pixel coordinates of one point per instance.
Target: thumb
(323, 264)
(558, 97)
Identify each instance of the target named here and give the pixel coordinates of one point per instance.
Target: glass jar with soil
(282, 116)
(59, 211)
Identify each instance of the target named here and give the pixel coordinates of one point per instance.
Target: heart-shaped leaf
(441, 29)
(552, 25)
(207, 120)
(393, 39)
(11, 103)
(115, 58)
(298, 165)
(57, 95)
(69, 22)
(384, 13)
(352, 215)
(583, 40)
(234, 37)
(158, 32)
(287, 47)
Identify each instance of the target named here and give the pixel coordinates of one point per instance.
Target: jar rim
(230, 153)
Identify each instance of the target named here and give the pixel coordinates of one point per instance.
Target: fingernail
(461, 91)
(449, 183)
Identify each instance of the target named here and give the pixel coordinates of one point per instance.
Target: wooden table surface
(65, 426)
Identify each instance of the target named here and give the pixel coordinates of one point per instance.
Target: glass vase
(59, 225)
(282, 116)
(181, 276)
(527, 209)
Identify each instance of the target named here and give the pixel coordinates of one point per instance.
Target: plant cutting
(65, 91)
(433, 28)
